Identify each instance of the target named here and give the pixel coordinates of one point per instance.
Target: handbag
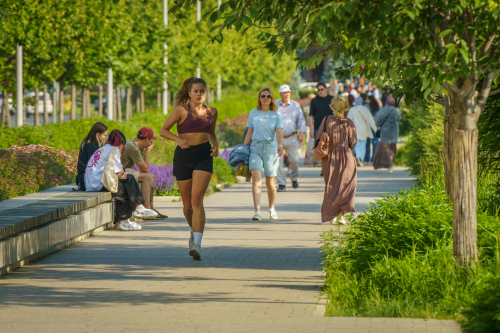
(322, 144)
(109, 178)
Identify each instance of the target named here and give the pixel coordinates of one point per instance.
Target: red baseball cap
(147, 132)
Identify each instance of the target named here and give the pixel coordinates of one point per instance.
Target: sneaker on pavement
(391, 170)
(335, 220)
(195, 252)
(295, 184)
(273, 214)
(142, 212)
(126, 226)
(342, 220)
(160, 215)
(256, 217)
(282, 188)
(136, 225)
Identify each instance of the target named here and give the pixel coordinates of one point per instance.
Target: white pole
(198, 19)
(165, 62)
(219, 78)
(110, 95)
(19, 85)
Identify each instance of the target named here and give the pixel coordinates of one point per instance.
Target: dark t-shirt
(320, 108)
(86, 153)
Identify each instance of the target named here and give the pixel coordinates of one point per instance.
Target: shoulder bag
(109, 178)
(322, 144)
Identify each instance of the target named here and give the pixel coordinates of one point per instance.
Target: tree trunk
(119, 103)
(37, 109)
(143, 109)
(137, 99)
(84, 99)
(45, 108)
(100, 100)
(55, 104)
(6, 121)
(61, 104)
(73, 101)
(89, 104)
(460, 150)
(128, 103)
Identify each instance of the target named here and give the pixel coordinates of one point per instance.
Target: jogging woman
(193, 158)
(265, 137)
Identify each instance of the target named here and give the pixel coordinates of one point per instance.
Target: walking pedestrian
(88, 147)
(365, 125)
(194, 155)
(387, 120)
(339, 166)
(320, 108)
(293, 121)
(371, 144)
(265, 137)
(309, 159)
(128, 197)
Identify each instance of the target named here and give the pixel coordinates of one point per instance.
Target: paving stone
(254, 277)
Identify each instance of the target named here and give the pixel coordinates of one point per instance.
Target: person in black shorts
(193, 158)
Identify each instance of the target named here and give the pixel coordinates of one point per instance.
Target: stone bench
(36, 229)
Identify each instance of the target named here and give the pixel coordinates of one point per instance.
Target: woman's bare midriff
(194, 139)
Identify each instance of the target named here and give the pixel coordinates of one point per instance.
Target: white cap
(285, 88)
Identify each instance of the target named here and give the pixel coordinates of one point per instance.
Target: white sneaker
(256, 217)
(142, 212)
(335, 220)
(126, 226)
(136, 225)
(273, 214)
(342, 220)
(191, 241)
(391, 170)
(195, 252)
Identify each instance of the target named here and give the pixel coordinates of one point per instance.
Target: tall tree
(444, 50)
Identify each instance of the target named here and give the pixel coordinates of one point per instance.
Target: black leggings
(127, 198)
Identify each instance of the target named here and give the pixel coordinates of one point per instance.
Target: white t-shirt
(95, 167)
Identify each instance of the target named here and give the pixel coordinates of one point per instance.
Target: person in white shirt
(364, 123)
(293, 120)
(128, 199)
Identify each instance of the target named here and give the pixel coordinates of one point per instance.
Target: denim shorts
(264, 157)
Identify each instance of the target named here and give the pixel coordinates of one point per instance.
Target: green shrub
(304, 93)
(223, 172)
(482, 315)
(397, 259)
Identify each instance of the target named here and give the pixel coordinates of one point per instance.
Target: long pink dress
(339, 167)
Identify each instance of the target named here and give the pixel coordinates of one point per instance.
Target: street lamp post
(110, 95)
(165, 62)
(219, 78)
(19, 85)
(198, 19)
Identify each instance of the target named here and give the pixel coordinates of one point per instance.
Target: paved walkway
(254, 277)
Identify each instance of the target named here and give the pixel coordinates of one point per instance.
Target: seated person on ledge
(137, 153)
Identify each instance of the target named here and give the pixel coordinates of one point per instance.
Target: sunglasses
(264, 96)
(321, 89)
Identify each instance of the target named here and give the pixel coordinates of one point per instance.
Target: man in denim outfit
(293, 121)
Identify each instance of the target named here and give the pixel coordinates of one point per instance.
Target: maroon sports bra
(195, 125)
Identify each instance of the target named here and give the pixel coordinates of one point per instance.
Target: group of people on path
(107, 162)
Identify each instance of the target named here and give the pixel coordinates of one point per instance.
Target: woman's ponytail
(182, 96)
(116, 138)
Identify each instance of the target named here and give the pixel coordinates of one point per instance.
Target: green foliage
(425, 137)
(230, 132)
(482, 315)
(223, 172)
(397, 260)
(304, 93)
(33, 168)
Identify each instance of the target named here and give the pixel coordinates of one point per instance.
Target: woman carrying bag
(335, 138)
(105, 173)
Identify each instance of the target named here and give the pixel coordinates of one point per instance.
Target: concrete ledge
(16, 220)
(20, 249)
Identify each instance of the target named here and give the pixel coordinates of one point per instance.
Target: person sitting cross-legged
(137, 152)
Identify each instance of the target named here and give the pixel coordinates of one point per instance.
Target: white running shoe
(142, 212)
(342, 220)
(191, 241)
(256, 217)
(195, 252)
(273, 214)
(126, 226)
(391, 170)
(136, 225)
(335, 220)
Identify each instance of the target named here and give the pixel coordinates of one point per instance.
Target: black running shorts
(192, 158)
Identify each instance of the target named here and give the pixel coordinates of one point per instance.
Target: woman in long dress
(339, 167)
